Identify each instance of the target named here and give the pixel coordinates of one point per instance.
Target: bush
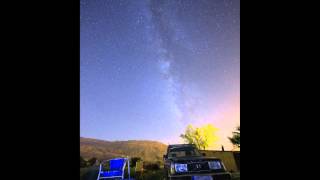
(134, 160)
(83, 163)
(151, 166)
(92, 161)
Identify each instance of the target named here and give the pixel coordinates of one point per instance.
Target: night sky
(151, 67)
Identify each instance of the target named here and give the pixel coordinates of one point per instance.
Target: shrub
(92, 161)
(151, 166)
(134, 160)
(83, 163)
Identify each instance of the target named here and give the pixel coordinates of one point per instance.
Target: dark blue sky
(151, 67)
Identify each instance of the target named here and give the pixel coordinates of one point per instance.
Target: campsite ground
(90, 173)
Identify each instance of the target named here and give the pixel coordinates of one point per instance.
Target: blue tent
(116, 170)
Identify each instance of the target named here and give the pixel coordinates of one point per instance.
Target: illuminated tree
(235, 139)
(202, 137)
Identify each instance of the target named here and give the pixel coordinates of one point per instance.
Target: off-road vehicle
(184, 161)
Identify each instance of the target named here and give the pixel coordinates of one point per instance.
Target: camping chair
(116, 171)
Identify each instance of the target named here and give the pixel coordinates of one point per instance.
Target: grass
(155, 174)
(236, 176)
(91, 173)
(160, 175)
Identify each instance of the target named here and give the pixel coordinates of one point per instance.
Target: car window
(183, 152)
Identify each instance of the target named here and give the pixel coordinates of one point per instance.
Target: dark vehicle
(184, 161)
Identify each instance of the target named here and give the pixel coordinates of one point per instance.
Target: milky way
(149, 68)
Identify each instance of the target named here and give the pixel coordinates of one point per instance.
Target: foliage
(83, 162)
(235, 139)
(151, 165)
(134, 160)
(202, 137)
(92, 161)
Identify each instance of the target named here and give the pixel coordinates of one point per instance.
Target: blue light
(181, 167)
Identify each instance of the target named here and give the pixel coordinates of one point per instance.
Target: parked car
(184, 161)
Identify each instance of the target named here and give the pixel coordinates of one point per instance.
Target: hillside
(147, 150)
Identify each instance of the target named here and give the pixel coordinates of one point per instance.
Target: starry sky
(148, 68)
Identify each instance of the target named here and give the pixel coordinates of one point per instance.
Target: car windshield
(183, 152)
